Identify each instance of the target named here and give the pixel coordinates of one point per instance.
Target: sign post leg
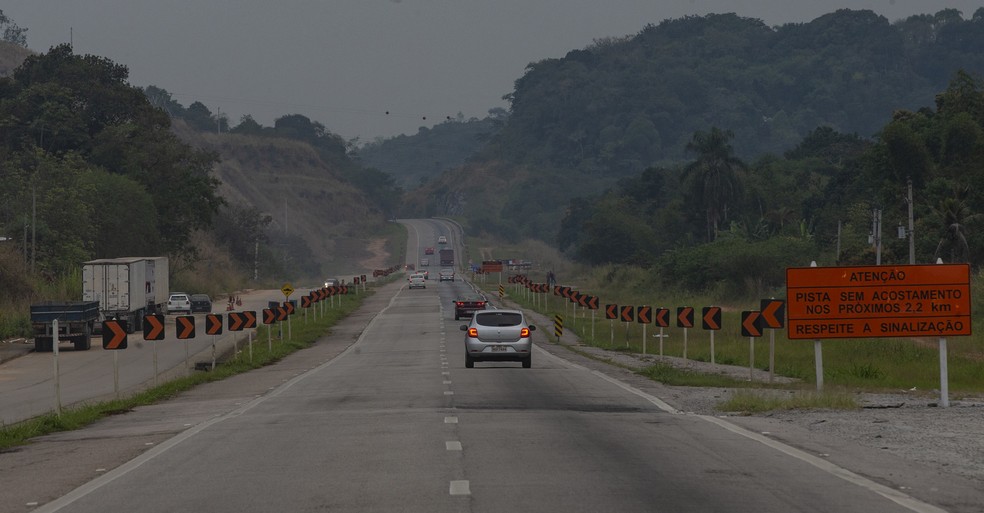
(187, 357)
(944, 378)
(54, 350)
(250, 347)
(772, 355)
(116, 373)
(818, 358)
(643, 339)
(712, 346)
(661, 341)
(751, 358)
(155, 363)
(684, 343)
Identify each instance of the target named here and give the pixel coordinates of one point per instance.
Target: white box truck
(126, 288)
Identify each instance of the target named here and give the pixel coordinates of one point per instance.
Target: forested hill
(622, 105)
(580, 124)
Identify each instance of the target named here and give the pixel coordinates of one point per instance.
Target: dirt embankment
(378, 256)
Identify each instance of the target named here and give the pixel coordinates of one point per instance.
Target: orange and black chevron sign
(711, 320)
(153, 327)
(249, 319)
(751, 323)
(213, 324)
(269, 316)
(685, 317)
(114, 334)
(611, 311)
(236, 321)
(662, 317)
(185, 327)
(644, 314)
(628, 313)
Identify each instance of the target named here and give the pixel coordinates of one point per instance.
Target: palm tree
(714, 175)
(954, 216)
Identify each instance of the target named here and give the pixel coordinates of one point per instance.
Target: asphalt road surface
(394, 422)
(381, 415)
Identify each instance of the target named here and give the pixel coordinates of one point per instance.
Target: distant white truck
(127, 288)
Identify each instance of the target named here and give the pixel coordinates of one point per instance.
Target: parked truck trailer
(126, 288)
(76, 323)
(447, 257)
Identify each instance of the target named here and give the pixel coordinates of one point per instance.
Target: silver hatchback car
(498, 335)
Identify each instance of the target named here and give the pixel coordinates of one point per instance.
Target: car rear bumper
(516, 351)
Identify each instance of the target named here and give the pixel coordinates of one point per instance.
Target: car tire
(469, 362)
(456, 316)
(528, 362)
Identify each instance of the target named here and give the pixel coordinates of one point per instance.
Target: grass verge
(670, 375)
(304, 334)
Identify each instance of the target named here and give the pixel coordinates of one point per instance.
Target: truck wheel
(82, 342)
(42, 345)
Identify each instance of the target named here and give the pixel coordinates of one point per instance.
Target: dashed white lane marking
(445, 373)
(460, 488)
(448, 392)
(453, 446)
(450, 420)
(447, 382)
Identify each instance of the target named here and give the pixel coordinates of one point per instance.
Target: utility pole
(875, 237)
(34, 224)
(912, 233)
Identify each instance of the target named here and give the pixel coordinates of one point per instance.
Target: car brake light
(459, 303)
(525, 333)
(473, 332)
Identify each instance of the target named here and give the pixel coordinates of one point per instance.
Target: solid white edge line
(135, 463)
(887, 492)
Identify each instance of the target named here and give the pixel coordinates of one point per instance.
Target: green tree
(10, 32)
(123, 216)
(79, 115)
(713, 177)
(954, 216)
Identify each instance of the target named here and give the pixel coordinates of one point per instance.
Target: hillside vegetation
(317, 223)
(715, 151)
(93, 169)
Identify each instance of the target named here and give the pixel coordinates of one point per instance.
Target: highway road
(383, 416)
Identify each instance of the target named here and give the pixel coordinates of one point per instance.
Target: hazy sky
(346, 63)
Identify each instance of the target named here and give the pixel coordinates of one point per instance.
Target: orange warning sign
(878, 301)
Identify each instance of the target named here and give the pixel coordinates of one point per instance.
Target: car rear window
(499, 319)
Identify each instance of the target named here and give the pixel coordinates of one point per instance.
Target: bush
(735, 266)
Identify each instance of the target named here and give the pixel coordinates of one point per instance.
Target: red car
(466, 306)
(428, 251)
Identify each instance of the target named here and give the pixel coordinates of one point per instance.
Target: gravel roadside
(909, 424)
